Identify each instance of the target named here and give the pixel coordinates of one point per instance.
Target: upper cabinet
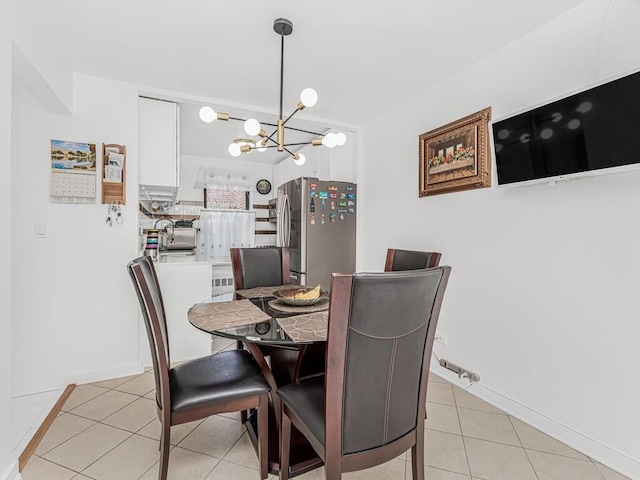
(158, 143)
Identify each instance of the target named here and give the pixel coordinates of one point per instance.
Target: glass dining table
(294, 339)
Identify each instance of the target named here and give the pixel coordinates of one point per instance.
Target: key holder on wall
(114, 214)
(114, 169)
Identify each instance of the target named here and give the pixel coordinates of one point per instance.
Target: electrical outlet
(441, 338)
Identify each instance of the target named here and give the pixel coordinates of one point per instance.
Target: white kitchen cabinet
(158, 143)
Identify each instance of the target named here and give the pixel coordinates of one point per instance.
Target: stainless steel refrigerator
(317, 221)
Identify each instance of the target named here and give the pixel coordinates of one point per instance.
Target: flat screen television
(595, 131)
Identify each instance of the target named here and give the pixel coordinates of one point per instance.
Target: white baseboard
(606, 455)
(12, 473)
(52, 383)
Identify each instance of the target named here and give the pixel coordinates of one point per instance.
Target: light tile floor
(109, 431)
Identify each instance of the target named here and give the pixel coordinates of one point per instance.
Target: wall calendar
(73, 172)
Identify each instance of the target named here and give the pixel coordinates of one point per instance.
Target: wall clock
(263, 186)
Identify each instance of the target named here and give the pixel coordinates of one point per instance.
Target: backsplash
(190, 210)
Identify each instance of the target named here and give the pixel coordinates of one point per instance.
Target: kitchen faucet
(173, 226)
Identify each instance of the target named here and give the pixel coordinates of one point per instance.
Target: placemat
(260, 292)
(216, 315)
(311, 327)
(283, 307)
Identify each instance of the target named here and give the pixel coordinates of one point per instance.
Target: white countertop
(189, 259)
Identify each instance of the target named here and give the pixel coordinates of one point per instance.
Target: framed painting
(455, 157)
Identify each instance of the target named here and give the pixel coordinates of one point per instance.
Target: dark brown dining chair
(260, 267)
(269, 267)
(400, 260)
(225, 382)
(369, 408)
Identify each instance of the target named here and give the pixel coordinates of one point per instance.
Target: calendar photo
(73, 155)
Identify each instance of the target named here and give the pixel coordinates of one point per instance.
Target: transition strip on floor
(44, 428)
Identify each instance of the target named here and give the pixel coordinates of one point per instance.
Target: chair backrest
(377, 369)
(400, 260)
(260, 267)
(145, 282)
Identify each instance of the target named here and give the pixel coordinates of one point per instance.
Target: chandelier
(254, 128)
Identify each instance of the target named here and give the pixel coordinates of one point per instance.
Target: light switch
(41, 230)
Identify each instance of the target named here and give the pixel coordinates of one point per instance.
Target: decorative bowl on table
(289, 295)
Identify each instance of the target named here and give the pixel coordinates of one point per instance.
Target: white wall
(337, 164)
(74, 309)
(5, 241)
(29, 37)
(190, 165)
(542, 300)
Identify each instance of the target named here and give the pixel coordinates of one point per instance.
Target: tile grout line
(130, 434)
(80, 404)
(596, 467)
(525, 450)
(464, 444)
(235, 463)
(96, 422)
(105, 454)
(73, 436)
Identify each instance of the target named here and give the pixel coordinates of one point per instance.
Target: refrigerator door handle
(284, 222)
(287, 222)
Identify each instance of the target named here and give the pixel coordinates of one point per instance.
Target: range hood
(157, 199)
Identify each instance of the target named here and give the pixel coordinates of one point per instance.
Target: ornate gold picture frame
(456, 157)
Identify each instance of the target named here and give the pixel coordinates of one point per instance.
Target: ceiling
(362, 57)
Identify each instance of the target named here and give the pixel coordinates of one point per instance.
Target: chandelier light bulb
(341, 139)
(234, 150)
(308, 97)
(208, 114)
(329, 140)
(252, 127)
(300, 160)
(260, 146)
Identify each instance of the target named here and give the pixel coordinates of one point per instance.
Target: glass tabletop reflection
(271, 332)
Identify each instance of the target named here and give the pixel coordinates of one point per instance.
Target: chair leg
(244, 414)
(417, 456)
(285, 445)
(332, 465)
(263, 435)
(165, 445)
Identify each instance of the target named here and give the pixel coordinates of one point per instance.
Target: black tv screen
(592, 130)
